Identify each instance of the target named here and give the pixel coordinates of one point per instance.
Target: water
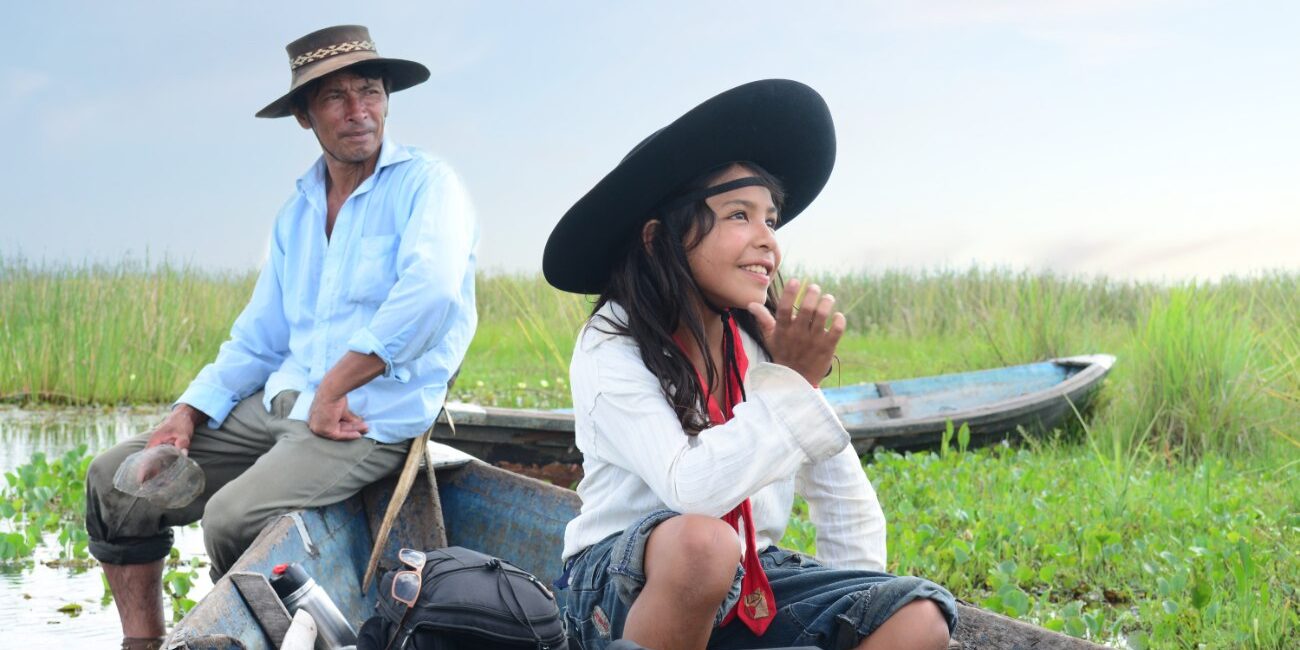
(31, 594)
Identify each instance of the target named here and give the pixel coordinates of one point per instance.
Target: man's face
(347, 112)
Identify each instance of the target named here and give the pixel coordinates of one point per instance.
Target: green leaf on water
(1015, 602)
(1075, 627)
(1047, 573)
(71, 609)
(1137, 640)
(1201, 593)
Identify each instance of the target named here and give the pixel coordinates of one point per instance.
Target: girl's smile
(734, 263)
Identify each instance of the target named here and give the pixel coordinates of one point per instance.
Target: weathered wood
(888, 403)
(207, 642)
(265, 605)
(894, 411)
(413, 458)
(439, 529)
(979, 629)
(415, 527)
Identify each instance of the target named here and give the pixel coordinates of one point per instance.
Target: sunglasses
(406, 584)
(406, 588)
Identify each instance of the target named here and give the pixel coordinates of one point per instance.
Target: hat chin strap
(701, 194)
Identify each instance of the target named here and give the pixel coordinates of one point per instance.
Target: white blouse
(783, 438)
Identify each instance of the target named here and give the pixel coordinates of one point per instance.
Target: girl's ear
(648, 232)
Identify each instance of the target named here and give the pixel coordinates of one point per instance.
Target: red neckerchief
(757, 604)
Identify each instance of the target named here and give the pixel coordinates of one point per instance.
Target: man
(361, 315)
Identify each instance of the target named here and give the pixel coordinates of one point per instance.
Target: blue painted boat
(483, 507)
(904, 414)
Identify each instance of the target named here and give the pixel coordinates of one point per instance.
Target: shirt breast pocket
(375, 271)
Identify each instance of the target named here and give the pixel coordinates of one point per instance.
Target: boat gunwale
(1094, 369)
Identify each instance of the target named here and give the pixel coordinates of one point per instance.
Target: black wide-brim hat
(326, 51)
(783, 126)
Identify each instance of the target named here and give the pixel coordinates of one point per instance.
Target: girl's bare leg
(919, 625)
(690, 564)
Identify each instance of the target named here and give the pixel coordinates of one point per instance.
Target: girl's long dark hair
(654, 285)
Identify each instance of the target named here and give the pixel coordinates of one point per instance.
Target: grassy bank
(1172, 520)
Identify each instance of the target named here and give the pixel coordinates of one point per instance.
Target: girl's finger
(824, 308)
(810, 298)
(838, 324)
(766, 323)
(785, 306)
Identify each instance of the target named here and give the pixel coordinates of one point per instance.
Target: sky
(1142, 139)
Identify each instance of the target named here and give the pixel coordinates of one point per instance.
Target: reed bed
(1196, 360)
(110, 334)
(1168, 519)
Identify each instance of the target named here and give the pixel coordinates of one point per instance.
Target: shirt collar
(597, 331)
(390, 153)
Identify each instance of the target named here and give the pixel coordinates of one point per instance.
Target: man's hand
(801, 340)
(177, 429)
(330, 418)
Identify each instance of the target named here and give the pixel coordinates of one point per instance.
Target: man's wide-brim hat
(783, 126)
(329, 50)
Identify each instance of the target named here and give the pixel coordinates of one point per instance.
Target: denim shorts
(816, 605)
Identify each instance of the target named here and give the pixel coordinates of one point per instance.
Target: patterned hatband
(332, 50)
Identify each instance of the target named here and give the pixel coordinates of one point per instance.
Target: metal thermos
(299, 591)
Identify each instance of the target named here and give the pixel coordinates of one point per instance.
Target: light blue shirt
(395, 279)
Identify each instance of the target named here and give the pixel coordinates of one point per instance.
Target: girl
(694, 389)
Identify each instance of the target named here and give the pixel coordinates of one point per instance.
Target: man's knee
(100, 499)
(99, 476)
(122, 529)
(225, 526)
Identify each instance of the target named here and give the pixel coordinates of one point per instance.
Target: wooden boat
(905, 414)
(484, 507)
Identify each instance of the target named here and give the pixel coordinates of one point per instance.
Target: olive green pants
(257, 465)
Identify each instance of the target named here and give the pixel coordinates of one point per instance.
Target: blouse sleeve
(843, 506)
(783, 424)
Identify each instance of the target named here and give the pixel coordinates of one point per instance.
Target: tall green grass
(1197, 374)
(1194, 359)
(1174, 521)
(110, 333)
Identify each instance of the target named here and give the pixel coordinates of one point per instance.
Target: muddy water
(32, 593)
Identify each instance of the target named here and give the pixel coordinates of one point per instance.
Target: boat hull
(908, 414)
(486, 508)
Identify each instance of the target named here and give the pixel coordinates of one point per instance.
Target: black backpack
(467, 600)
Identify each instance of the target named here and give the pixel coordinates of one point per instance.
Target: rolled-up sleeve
(783, 424)
(258, 344)
(434, 259)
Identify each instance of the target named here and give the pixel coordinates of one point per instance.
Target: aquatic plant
(45, 497)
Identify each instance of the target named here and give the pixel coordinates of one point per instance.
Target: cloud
(1092, 32)
(20, 85)
(1021, 12)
